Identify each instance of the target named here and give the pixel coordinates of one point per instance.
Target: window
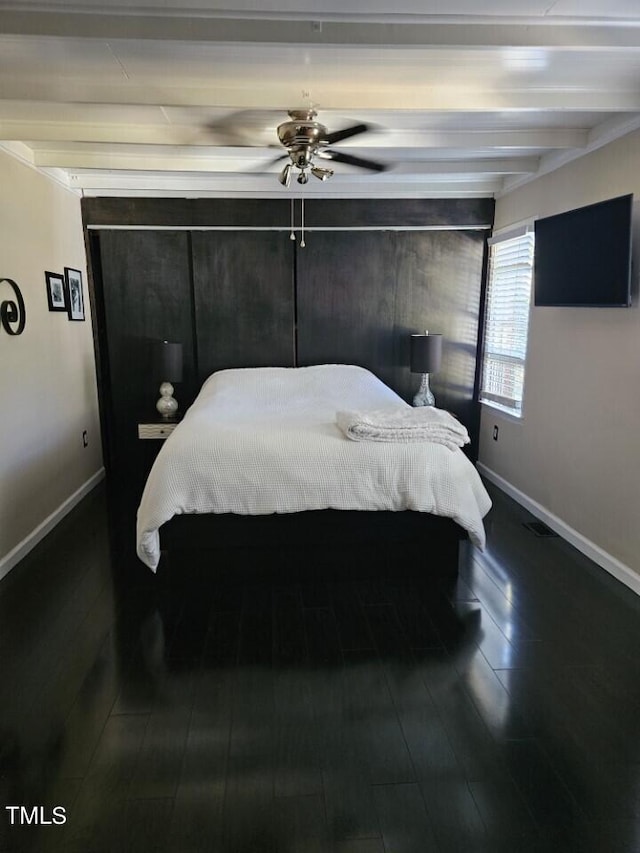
(506, 321)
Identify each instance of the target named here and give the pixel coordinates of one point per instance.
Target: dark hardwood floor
(380, 715)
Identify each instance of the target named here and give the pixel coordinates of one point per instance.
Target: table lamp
(168, 367)
(425, 357)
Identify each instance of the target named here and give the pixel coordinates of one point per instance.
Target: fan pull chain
(292, 235)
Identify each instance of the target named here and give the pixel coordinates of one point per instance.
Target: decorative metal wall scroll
(13, 314)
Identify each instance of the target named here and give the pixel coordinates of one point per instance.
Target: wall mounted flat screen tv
(583, 257)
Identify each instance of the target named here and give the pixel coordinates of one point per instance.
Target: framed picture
(75, 297)
(56, 291)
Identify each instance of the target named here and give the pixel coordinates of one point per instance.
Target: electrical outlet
(85, 438)
(495, 432)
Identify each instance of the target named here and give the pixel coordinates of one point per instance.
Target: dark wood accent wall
(361, 294)
(346, 295)
(276, 213)
(243, 299)
(146, 296)
(246, 295)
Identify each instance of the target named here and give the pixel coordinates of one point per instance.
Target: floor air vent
(539, 528)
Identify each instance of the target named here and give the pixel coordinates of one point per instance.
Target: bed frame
(315, 543)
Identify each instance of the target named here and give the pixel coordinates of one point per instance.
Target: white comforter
(264, 440)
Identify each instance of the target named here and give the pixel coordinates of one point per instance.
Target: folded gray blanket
(400, 424)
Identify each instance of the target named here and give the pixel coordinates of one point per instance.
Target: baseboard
(594, 552)
(29, 542)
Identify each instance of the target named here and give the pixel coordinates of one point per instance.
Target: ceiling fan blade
(242, 129)
(264, 167)
(339, 135)
(350, 160)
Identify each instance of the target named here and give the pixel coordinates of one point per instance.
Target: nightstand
(152, 432)
(158, 429)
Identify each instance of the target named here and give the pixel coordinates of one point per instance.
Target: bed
(260, 458)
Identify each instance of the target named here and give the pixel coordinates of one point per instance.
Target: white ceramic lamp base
(167, 405)
(424, 396)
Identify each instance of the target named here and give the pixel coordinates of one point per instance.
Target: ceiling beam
(265, 28)
(340, 186)
(198, 137)
(349, 96)
(179, 161)
(601, 135)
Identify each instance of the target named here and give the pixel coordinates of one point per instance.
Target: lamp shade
(168, 361)
(426, 353)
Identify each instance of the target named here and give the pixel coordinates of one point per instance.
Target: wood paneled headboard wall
(223, 277)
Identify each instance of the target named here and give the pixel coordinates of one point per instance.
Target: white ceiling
(117, 99)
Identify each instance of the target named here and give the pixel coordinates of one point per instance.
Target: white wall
(47, 380)
(575, 456)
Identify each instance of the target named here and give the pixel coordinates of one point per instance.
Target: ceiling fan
(305, 139)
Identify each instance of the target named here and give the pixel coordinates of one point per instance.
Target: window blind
(506, 322)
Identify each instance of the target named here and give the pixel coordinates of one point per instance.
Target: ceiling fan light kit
(285, 175)
(320, 173)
